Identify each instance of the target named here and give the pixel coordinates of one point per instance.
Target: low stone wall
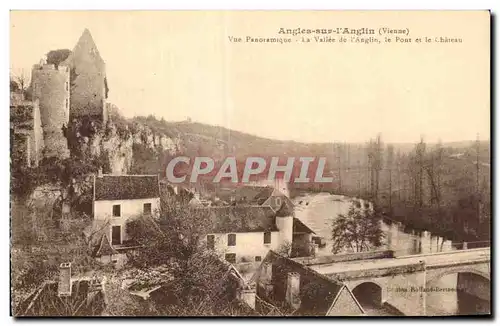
(377, 272)
(344, 257)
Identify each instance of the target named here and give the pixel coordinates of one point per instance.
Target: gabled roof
(84, 48)
(287, 207)
(235, 219)
(299, 227)
(110, 187)
(105, 248)
(317, 292)
(262, 196)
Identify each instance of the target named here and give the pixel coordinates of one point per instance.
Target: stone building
(118, 199)
(50, 85)
(70, 89)
(247, 233)
(88, 80)
(296, 290)
(27, 141)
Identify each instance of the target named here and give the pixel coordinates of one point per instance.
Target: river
(319, 210)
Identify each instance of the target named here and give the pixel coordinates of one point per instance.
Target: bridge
(403, 283)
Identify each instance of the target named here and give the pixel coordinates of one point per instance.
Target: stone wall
(320, 260)
(51, 89)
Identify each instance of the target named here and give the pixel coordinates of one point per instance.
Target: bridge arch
(433, 277)
(468, 292)
(368, 294)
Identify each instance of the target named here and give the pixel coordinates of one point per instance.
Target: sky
(177, 65)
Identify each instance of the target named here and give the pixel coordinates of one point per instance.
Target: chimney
(265, 280)
(64, 286)
(293, 290)
(247, 296)
(266, 273)
(314, 249)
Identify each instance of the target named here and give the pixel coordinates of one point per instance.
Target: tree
(390, 166)
(56, 57)
(374, 152)
(19, 83)
(42, 243)
(14, 86)
(200, 284)
(433, 167)
(359, 230)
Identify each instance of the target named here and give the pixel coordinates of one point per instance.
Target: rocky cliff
(124, 147)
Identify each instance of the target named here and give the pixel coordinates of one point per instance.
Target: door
(116, 235)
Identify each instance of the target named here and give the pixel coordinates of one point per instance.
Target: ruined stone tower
(88, 80)
(51, 89)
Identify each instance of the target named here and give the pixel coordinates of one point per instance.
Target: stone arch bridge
(403, 283)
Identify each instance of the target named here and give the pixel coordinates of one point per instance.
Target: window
(67, 86)
(267, 237)
(116, 235)
(67, 103)
(147, 209)
(258, 258)
(211, 241)
(231, 258)
(231, 239)
(116, 211)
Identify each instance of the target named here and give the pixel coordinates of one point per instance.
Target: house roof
(235, 219)
(262, 196)
(249, 194)
(300, 227)
(287, 207)
(111, 187)
(317, 292)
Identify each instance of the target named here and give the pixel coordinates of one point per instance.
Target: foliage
(285, 249)
(197, 282)
(117, 122)
(358, 230)
(14, 86)
(176, 235)
(56, 57)
(121, 303)
(40, 244)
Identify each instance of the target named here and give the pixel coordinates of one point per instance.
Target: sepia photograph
(250, 163)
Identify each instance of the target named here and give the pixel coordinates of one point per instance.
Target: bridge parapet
(321, 260)
(375, 272)
(485, 250)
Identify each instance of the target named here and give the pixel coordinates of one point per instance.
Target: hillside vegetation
(443, 187)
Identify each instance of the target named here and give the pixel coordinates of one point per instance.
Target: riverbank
(319, 210)
(415, 220)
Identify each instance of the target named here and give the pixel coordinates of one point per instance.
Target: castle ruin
(88, 80)
(51, 88)
(69, 91)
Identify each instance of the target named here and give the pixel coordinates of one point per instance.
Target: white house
(247, 233)
(120, 198)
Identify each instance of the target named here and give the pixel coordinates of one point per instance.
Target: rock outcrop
(114, 144)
